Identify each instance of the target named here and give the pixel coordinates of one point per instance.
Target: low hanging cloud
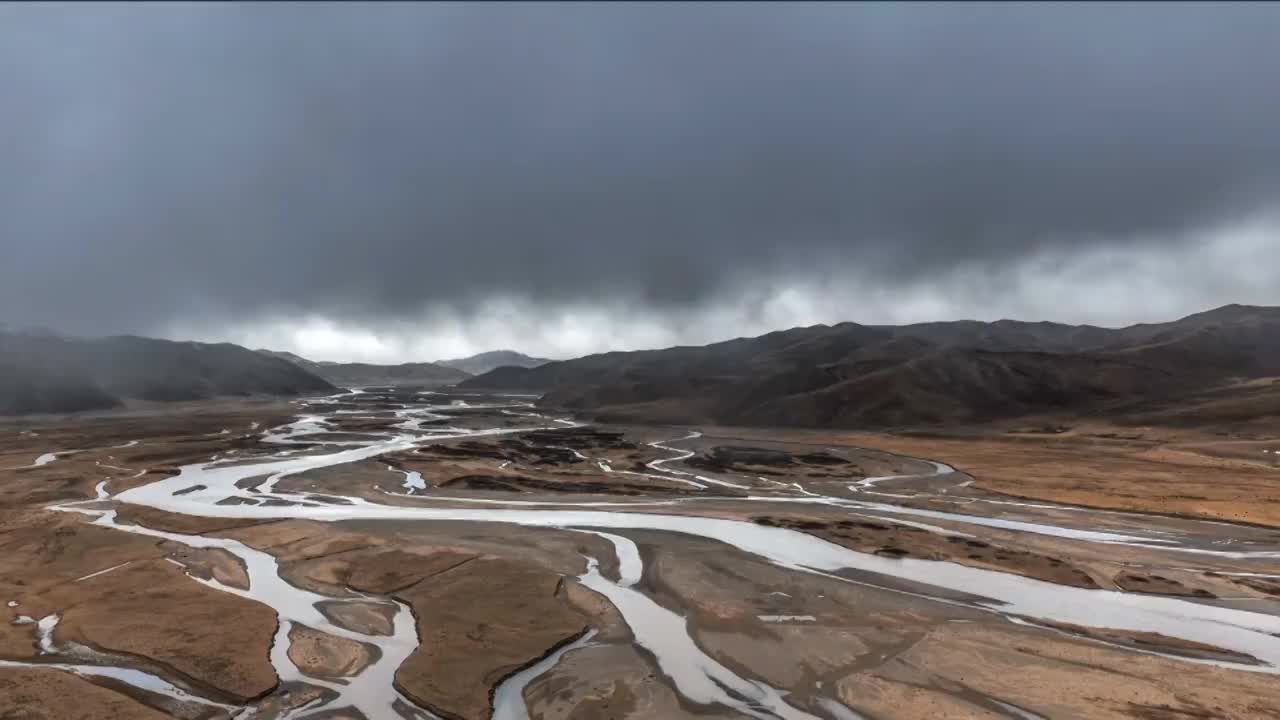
(1105, 285)
(409, 181)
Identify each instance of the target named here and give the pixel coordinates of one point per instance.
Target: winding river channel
(226, 488)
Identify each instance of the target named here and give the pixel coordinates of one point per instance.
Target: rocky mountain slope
(43, 372)
(851, 375)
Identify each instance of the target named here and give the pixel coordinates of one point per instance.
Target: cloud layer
(1110, 286)
(572, 177)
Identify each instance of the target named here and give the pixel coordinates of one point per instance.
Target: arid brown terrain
(403, 554)
(639, 361)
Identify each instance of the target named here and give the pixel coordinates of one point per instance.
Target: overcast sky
(415, 181)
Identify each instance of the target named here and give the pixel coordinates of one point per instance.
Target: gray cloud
(1101, 285)
(207, 166)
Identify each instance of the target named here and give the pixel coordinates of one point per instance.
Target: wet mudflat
(404, 554)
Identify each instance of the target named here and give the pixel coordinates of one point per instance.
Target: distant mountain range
(1217, 366)
(342, 374)
(486, 361)
(41, 372)
(426, 374)
(851, 375)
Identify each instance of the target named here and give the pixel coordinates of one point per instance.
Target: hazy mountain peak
(353, 374)
(1235, 312)
(481, 363)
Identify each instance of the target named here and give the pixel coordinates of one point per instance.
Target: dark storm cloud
(168, 161)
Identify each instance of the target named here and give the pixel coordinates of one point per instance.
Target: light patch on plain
(44, 634)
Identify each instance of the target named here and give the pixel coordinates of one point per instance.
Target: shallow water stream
(202, 489)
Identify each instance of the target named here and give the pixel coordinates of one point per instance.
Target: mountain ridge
(481, 363)
(356, 374)
(851, 375)
(46, 372)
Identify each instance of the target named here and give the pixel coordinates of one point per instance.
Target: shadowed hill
(424, 374)
(48, 373)
(484, 362)
(851, 375)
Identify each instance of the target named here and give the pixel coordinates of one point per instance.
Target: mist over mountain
(484, 362)
(44, 372)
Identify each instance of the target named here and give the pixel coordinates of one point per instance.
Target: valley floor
(405, 554)
(1196, 473)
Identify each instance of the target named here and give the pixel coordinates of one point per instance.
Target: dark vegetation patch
(538, 447)
(234, 501)
(581, 438)
(1263, 585)
(753, 460)
(508, 483)
(821, 458)
(465, 449)
(1157, 585)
